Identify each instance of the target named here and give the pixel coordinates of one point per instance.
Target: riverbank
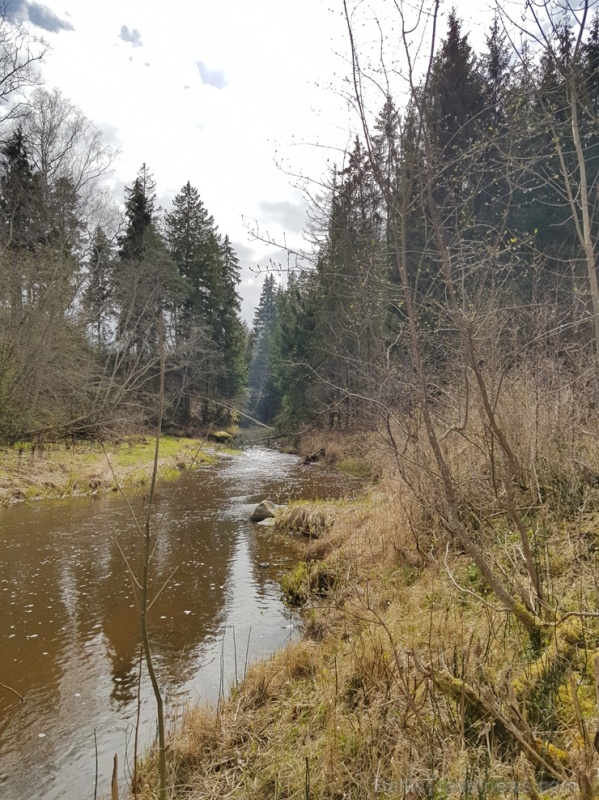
(29, 473)
(70, 629)
(412, 678)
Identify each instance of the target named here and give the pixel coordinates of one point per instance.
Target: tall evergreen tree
(455, 104)
(492, 201)
(263, 403)
(145, 278)
(231, 333)
(17, 201)
(353, 272)
(296, 362)
(19, 217)
(193, 243)
(209, 312)
(457, 97)
(97, 297)
(140, 199)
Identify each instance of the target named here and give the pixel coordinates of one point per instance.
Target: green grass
(355, 466)
(58, 470)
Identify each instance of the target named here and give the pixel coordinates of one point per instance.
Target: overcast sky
(230, 95)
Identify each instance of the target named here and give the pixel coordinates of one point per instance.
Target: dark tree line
(479, 192)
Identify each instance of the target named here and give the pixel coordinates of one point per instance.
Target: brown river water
(69, 630)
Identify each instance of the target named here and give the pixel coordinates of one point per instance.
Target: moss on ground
(29, 472)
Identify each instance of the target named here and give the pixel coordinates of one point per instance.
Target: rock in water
(263, 510)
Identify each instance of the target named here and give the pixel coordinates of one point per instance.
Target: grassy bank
(30, 473)
(413, 679)
(409, 682)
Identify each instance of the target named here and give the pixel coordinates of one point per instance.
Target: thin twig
(14, 691)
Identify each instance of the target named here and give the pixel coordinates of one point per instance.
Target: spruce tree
(17, 202)
(296, 349)
(97, 297)
(491, 203)
(263, 402)
(455, 104)
(231, 331)
(140, 215)
(192, 241)
(457, 93)
(19, 218)
(145, 279)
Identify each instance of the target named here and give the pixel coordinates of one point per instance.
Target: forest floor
(29, 473)
(411, 679)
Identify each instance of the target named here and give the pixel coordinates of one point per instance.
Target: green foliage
(208, 330)
(355, 466)
(140, 214)
(97, 296)
(263, 401)
(466, 184)
(295, 584)
(294, 345)
(305, 580)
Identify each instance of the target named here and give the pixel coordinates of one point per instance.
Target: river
(69, 628)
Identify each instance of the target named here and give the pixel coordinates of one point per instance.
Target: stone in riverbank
(264, 510)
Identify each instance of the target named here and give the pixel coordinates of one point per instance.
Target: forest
(460, 228)
(471, 196)
(449, 328)
(446, 331)
(94, 297)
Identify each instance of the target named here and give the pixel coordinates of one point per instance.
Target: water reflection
(69, 626)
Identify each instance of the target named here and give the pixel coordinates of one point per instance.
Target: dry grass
(29, 473)
(412, 680)
(364, 711)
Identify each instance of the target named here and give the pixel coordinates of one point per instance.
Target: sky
(245, 99)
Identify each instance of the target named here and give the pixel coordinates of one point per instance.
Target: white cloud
(240, 147)
(291, 216)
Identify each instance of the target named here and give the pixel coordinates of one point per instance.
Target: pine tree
(97, 296)
(455, 104)
(230, 328)
(17, 204)
(145, 279)
(209, 312)
(296, 364)
(457, 93)
(192, 241)
(263, 401)
(19, 218)
(353, 270)
(491, 202)
(495, 73)
(386, 154)
(140, 214)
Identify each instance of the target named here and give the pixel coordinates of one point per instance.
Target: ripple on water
(69, 627)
